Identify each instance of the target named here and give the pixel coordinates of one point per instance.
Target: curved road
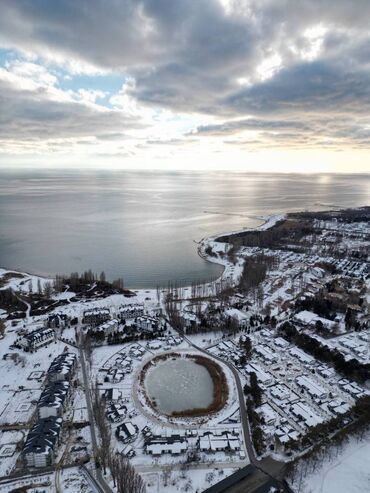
(273, 468)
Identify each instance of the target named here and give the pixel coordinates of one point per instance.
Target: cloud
(275, 72)
(33, 109)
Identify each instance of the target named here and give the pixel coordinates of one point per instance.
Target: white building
(36, 339)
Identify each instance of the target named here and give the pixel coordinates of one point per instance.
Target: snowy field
(347, 471)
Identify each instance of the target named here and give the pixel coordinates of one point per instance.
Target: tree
(102, 277)
(2, 327)
(118, 283)
(247, 346)
(58, 283)
(255, 390)
(48, 288)
(128, 480)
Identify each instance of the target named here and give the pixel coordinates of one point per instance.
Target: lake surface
(142, 226)
(179, 385)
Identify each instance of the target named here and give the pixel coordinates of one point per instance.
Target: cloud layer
(255, 73)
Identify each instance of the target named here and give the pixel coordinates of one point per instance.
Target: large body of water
(142, 225)
(179, 385)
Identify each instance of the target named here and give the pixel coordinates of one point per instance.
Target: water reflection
(142, 225)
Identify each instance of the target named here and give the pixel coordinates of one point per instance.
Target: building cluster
(129, 320)
(298, 392)
(354, 345)
(42, 441)
(227, 441)
(121, 363)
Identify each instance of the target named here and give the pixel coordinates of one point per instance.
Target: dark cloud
(317, 87)
(198, 56)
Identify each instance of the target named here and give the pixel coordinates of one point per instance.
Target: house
(108, 327)
(40, 447)
(96, 316)
(157, 445)
(131, 311)
(112, 395)
(281, 393)
(315, 390)
(116, 412)
(304, 413)
(53, 399)
(127, 432)
(285, 434)
(62, 367)
(149, 324)
(268, 414)
(338, 406)
(281, 343)
(263, 377)
(32, 341)
(265, 353)
(302, 356)
(57, 321)
(352, 388)
(309, 319)
(224, 441)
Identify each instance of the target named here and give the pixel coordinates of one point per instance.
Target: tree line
(76, 280)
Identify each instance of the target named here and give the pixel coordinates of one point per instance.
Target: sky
(255, 85)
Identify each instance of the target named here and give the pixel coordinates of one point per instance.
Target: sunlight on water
(143, 226)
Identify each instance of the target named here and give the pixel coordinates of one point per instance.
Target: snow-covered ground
(288, 377)
(343, 469)
(194, 480)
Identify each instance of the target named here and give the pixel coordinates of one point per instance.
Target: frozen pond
(178, 385)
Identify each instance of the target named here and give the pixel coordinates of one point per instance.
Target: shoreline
(269, 222)
(146, 289)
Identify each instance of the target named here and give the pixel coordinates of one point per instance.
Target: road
(102, 483)
(94, 485)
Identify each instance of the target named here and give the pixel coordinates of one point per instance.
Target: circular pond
(178, 385)
(183, 385)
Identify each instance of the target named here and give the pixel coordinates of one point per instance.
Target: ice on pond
(178, 385)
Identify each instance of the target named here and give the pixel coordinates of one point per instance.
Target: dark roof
(54, 394)
(161, 439)
(38, 333)
(231, 480)
(64, 363)
(43, 436)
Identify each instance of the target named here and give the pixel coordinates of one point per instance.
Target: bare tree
(2, 327)
(48, 289)
(128, 480)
